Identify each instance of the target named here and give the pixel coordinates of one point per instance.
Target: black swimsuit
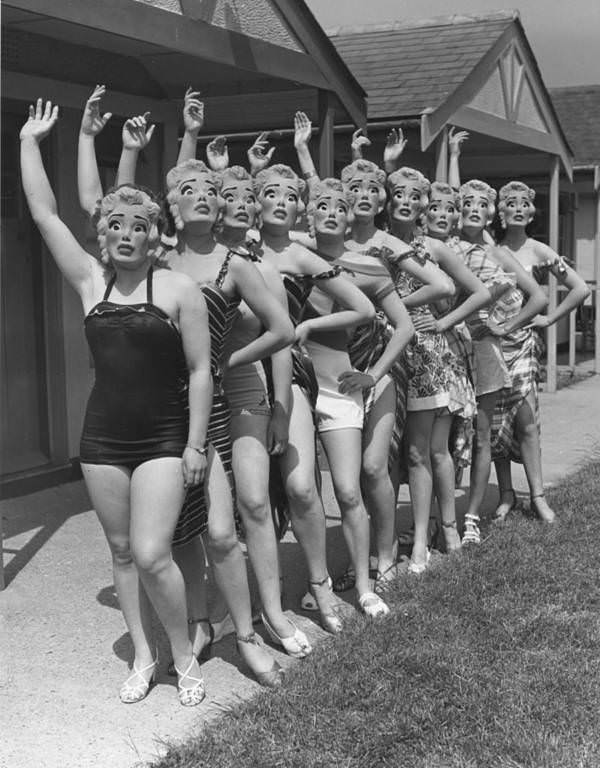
(137, 410)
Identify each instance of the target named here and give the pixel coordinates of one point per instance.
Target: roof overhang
(176, 49)
(491, 101)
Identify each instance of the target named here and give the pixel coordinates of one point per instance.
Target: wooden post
(441, 156)
(572, 340)
(551, 370)
(597, 273)
(170, 148)
(326, 119)
(2, 583)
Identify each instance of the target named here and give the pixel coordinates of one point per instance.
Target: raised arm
(193, 325)
(75, 264)
(217, 154)
(454, 142)
(88, 178)
(259, 154)
(136, 136)
(193, 120)
(394, 147)
(359, 140)
(536, 301)
(279, 331)
(302, 134)
(566, 275)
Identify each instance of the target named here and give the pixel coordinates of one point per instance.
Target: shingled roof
(408, 67)
(578, 109)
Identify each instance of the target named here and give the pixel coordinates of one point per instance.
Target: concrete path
(63, 646)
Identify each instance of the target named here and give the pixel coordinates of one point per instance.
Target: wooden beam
(23, 87)
(441, 156)
(551, 368)
(326, 117)
(597, 273)
(489, 125)
(170, 148)
(174, 32)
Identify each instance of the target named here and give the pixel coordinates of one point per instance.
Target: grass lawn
(490, 660)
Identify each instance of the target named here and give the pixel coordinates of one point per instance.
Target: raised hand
(217, 154)
(358, 142)
(394, 147)
(40, 122)
(456, 139)
(92, 122)
(425, 323)
(193, 111)
(136, 134)
(258, 154)
(302, 129)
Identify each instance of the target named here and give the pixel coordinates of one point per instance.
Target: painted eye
(250, 200)
(187, 189)
(228, 197)
(140, 228)
(292, 198)
(355, 188)
(211, 192)
(114, 224)
(342, 209)
(322, 207)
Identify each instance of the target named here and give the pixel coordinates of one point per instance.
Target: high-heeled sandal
(271, 678)
(136, 687)
(471, 534)
(346, 581)
(504, 508)
(190, 695)
(384, 579)
(204, 652)
(543, 516)
(372, 605)
(328, 615)
(295, 645)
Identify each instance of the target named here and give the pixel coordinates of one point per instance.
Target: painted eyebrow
(230, 189)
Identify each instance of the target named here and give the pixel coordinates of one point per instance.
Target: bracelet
(309, 175)
(201, 451)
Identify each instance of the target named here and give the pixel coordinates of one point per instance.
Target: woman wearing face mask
(486, 328)
(279, 194)
(515, 429)
(146, 329)
(436, 390)
(340, 415)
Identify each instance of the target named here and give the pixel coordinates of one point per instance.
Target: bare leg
(228, 563)
(343, 448)
(505, 489)
(419, 427)
(380, 494)
(444, 480)
(251, 472)
(481, 465)
(108, 487)
(529, 441)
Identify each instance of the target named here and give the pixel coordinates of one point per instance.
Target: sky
(564, 36)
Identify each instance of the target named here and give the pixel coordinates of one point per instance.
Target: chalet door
(24, 442)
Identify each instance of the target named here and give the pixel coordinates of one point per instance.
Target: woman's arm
(463, 277)
(281, 371)
(259, 155)
(302, 134)
(193, 120)
(436, 285)
(136, 136)
(454, 142)
(358, 142)
(88, 178)
(217, 154)
(394, 147)
(536, 300)
(76, 265)
(578, 289)
(357, 308)
(193, 326)
(279, 331)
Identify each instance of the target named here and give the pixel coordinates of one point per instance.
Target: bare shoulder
(542, 252)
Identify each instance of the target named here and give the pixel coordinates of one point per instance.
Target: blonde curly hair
(329, 187)
(477, 187)
(410, 176)
(177, 174)
(285, 172)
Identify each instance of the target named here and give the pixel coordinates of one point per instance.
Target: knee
(417, 455)
(374, 469)
(348, 497)
(151, 558)
(254, 508)
(440, 457)
(221, 542)
(120, 550)
(302, 495)
(528, 430)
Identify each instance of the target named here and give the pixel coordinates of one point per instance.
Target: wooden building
(254, 61)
